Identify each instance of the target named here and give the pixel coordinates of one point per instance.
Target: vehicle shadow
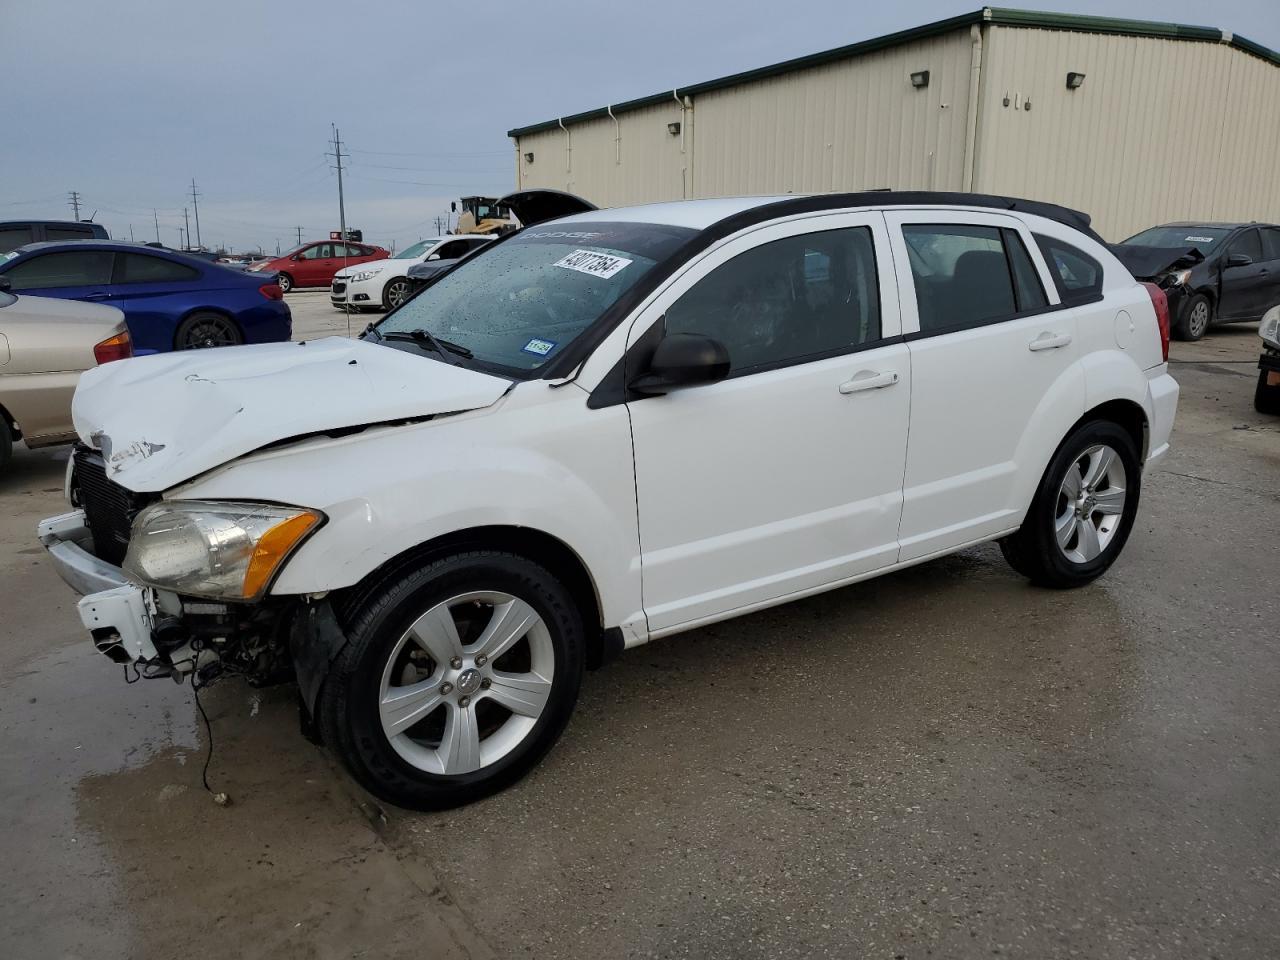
(41, 469)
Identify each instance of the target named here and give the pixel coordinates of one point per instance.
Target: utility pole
(196, 206)
(181, 240)
(131, 240)
(73, 198)
(299, 230)
(342, 209)
(277, 246)
(187, 220)
(156, 218)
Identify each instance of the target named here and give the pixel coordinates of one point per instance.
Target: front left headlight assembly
(1269, 329)
(365, 275)
(222, 551)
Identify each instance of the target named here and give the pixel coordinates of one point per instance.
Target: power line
(196, 206)
(74, 200)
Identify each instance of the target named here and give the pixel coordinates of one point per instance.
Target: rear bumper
(1162, 393)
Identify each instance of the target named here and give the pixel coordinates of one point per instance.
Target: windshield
(1202, 238)
(520, 303)
(419, 249)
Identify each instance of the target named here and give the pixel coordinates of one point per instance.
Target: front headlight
(1269, 329)
(366, 275)
(1179, 278)
(225, 551)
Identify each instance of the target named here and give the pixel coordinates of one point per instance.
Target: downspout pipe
(971, 109)
(617, 134)
(568, 154)
(684, 122)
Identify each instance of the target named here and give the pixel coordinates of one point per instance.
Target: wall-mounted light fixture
(920, 79)
(528, 157)
(673, 128)
(1075, 80)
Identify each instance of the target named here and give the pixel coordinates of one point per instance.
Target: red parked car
(314, 264)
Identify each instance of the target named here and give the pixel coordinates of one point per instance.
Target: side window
(13, 237)
(961, 274)
(321, 251)
(1270, 243)
(1248, 244)
(68, 233)
(782, 302)
(66, 269)
(451, 250)
(1026, 281)
(141, 268)
(1077, 275)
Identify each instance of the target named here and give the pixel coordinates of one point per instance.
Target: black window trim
(117, 268)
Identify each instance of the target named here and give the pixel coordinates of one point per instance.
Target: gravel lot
(943, 762)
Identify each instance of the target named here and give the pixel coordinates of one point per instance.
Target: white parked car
(612, 427)
(1266, 397)
(385, 284)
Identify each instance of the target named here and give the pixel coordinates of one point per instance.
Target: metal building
(1134, 122)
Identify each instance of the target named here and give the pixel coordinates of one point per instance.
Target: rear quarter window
(1076, 275)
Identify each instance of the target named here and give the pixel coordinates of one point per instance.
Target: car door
(1269, 290)
(786, 476)
(146, 288)
(986, 348)
(316, 266)
(68, 274)
(1245, 286)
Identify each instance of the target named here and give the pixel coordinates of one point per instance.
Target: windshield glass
(1202, 238)
(520, 303)
(419, 249)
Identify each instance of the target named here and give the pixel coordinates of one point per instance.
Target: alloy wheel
(212, 331)
(1090, 504)
(466, 683)
(397, 292)
(1198, 322)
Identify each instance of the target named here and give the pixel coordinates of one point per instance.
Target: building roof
(998, 16)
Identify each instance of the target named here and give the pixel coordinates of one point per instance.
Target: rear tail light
(272, 291)
(1161, 303)
(118, 347)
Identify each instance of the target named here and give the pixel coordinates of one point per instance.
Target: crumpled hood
(1147, 263)
(164, 419)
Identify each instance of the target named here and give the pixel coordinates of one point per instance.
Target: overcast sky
(126, 101)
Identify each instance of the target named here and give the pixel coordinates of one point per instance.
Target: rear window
(1077, 275)
(68, 233)
(13, 237)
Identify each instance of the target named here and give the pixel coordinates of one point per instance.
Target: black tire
(285, 281)
(1266, 398)
(204, 329)
(1196, 319)
(348, 710)
(403, 286)
(6, 440)
(1033, 550)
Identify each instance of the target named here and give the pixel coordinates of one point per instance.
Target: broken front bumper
(117, 613)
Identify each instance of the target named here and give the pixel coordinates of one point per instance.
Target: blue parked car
(170, 301)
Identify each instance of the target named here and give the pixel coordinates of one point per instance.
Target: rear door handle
(1049, 341)
(868, 380)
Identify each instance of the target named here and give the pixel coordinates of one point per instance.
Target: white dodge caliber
(606, 428)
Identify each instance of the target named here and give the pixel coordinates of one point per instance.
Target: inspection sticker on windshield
(601, 265)
(539, 348)
(1197, 239)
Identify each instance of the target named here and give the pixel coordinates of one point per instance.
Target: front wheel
(285, 282)
(1195, 320)
(1083, 509)
(396, 292)
(1266, 396)
(457, 678)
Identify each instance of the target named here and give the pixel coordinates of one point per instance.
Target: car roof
(742, 211)
(1216, 224)
(97, 243)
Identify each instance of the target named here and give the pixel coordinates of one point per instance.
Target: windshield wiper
(427, 338)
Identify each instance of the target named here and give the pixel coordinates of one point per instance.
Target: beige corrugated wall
(852, 125)
(634, 161)
(1161, 129)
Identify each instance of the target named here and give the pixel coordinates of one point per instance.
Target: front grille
(339, 286)
(109, 508)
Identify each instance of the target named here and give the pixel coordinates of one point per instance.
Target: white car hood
(355, 268)
(163, 419)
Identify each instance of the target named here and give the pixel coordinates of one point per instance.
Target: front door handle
(868, 380)
(1049, 341)
(97, 295)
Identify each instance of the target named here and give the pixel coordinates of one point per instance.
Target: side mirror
(434, 256)
(683, 360)
(1239, 260)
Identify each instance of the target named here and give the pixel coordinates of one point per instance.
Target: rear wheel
(1083, 509)
(1266, 397)
(1195, 320)
(396, 292)
(207, 329)
(458, 677)
(285, 281)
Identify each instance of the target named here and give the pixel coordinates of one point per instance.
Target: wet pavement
(943, 762)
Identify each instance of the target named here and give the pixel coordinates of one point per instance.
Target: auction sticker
(601, 265)
(539, 348)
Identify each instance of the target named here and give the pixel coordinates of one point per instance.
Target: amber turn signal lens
(118, 347)
(271, 551)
